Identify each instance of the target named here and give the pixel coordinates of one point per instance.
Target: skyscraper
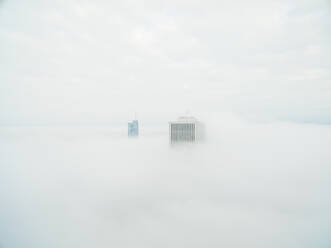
(186, 129)
(133, 128)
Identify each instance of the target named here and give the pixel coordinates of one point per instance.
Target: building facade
(133, 128)
(185, 130)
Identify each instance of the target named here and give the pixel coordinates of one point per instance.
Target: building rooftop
(185, 119)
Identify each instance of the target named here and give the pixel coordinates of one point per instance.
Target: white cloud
(249, 185)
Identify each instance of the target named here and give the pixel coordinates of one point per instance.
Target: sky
(79, 61)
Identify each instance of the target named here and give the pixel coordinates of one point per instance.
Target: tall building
(186, 129)
(133, 128)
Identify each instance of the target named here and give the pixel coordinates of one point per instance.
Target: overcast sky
(65, 61)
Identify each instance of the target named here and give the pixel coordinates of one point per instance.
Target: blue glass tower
(133, 128)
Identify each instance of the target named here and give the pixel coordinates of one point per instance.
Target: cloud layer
(249, 185)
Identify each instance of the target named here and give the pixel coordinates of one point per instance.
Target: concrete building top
(185, 119)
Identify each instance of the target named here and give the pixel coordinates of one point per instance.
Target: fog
(247, 185)
(256, 73)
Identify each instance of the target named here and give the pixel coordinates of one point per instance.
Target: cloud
(248, 185)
